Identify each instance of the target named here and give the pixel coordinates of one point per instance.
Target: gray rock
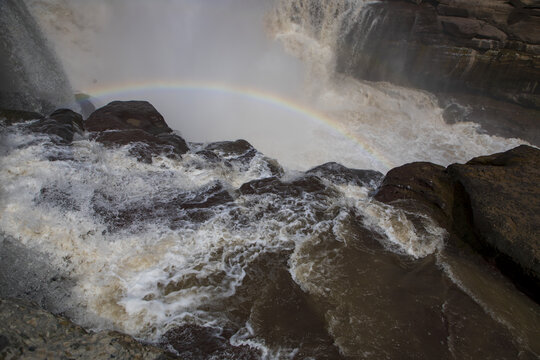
(28, 332)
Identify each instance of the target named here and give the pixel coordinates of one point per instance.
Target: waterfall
(32, 78)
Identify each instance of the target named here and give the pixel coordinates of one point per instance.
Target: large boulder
(62, 125)
(420, 187)
(138, 124)
(126, 115)
(491, 202)
(504, 194)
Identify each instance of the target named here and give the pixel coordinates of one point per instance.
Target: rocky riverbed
(490, 204)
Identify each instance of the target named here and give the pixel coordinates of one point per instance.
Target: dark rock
(62, 124)
(470, 28)
(135, 123)
(198, 342)
(420, 187)
(280, 312)
(446, 10)
(411, 44)
(492, 203)
(239, 152)
(232, 148)
(309, 184)
(29, 332)
(125, 115)
(505, 201)
(195, 206)
(495, 117)
(15, 116)
(339, 174)
(145, 144)
(4, 342)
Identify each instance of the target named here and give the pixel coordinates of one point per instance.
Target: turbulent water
(296, 267)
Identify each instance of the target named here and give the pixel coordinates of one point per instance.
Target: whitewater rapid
(133, 258)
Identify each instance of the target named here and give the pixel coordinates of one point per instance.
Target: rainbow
(245, 92)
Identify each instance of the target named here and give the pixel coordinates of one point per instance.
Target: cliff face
(490, 47)
(491, 202)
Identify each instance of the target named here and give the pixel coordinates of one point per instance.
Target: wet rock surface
(62, 124)
(198, 342)
(237, 153)
(191, 206)
(505, 202)
(28, 332)
(144, 145)
(16, 116)
(305, 185)
(32, 77)
(479, 47)
(329, 286)
(125, 115)
(491, 202)
(495, 117)
(339, 174)
(135, 123)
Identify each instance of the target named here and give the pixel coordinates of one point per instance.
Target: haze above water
(223, 70)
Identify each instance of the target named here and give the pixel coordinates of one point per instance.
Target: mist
(244, 69)
(132, 45)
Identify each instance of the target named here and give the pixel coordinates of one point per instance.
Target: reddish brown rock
(491, 202)
(504, 194)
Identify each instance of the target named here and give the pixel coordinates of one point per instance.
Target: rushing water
(297, 267)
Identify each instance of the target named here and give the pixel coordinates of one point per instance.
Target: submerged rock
(199, 342)
(491, 202)
(309, 184)
(340, 174)
(194, 206)
(238, 152)
(32, 333)
(146, 145)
